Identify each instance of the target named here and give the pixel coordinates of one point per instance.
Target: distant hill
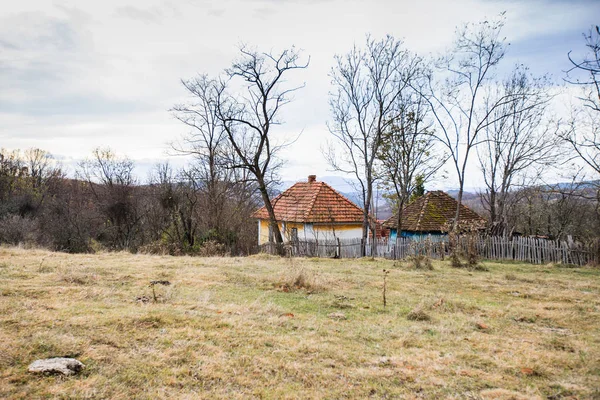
(466, 195)
(573, 186)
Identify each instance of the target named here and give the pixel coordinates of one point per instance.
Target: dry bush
(455, 261)
(16, 230)
(160, 248)
(301, 279)
(418, 314)
(444, 305)
(78, 278)
(471, 260)
(510, 277)
(472, 255)
(420, 261)
(212, 248)
(463, 245)
(209, 248)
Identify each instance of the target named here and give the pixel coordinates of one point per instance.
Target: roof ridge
(311, 205)
(423, 208)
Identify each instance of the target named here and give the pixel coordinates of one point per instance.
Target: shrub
(463, 245)
(472, 255)
(301, 279)
(455, 261)
(212, 248)
(419, 261)
(418, 315)
(15, 230)
(160, 247)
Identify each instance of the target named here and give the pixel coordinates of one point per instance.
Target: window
(294, 234)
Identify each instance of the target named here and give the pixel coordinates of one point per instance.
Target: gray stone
(58, 365)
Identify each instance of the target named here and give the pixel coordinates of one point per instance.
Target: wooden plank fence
(524, 249)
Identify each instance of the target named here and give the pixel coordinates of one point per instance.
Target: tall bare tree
(207, 143)
(584, 132)
(457, 96)
(248, 104)
(367, 85)
(408, 156)
(589, 67)
(520, 138)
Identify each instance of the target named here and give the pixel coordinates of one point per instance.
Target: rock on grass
(58, 365)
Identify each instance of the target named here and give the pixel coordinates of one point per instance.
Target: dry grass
(225, 329)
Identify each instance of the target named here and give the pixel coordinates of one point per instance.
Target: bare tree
(519, 139)
(111, 182)
(41, 166)
(589, 66)
(408, 156)
(457, 101)
(207, 143)
(367, 85)
(248, 104)
(583, 132)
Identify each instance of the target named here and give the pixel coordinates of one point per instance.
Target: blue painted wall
(418, 236)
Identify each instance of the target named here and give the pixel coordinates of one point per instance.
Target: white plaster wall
(326, 233)
(308, 233)
(355, 233)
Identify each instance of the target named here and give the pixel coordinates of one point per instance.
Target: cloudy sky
(75, 75)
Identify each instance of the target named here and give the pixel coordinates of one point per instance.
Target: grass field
(238, 328)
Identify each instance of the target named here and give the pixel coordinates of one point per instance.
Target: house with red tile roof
(311, 210)
(431, 214)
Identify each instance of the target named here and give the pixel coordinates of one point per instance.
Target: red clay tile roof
(430, 212)
(312, 202)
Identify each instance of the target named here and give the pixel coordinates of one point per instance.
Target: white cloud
(82, 74)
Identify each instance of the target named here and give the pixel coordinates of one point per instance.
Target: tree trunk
(365, 235)
(458, 204)
(272, 219)
(365, 230)
(493, 214)
(399, 218)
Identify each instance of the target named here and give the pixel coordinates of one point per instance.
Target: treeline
(557, 211)
(183, 211)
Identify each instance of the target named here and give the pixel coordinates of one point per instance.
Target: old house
(311, 210)
(430, 215)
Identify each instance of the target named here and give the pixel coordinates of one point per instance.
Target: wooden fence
(525, 249)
